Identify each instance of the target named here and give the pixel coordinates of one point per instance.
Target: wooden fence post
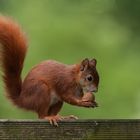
(70, 130)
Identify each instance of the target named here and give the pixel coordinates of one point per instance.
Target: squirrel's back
(51, 71)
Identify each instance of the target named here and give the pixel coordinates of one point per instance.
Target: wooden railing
(70, 130)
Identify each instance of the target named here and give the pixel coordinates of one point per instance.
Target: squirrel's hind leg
(52, 115)
(35, 96)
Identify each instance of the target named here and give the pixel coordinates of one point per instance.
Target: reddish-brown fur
(12, 53)
(49, 83)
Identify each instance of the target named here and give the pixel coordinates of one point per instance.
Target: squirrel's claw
(53, 120)
(95, 104)
(70, 117)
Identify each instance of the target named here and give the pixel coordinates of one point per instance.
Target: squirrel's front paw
(88, 104)
(88, 100)
(95, 104)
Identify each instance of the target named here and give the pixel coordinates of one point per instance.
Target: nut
(88, 97)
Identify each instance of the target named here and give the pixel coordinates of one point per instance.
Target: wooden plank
(70, 130)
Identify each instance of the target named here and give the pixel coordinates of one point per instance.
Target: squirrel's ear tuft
(84, 64)
(93, 62)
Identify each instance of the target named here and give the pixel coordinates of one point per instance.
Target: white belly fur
(54, 98)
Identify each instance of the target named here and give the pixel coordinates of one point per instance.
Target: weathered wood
(70, 130)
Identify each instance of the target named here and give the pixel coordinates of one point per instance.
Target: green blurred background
(70, 30)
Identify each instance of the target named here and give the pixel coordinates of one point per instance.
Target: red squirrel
(49, 83)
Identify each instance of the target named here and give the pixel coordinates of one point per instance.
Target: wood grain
(70, 130)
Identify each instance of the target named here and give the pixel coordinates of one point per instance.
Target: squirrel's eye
(89, 78)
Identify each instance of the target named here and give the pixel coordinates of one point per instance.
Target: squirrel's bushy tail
(13, 49)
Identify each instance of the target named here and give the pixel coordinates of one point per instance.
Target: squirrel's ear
(84, 64)
(93, 62)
